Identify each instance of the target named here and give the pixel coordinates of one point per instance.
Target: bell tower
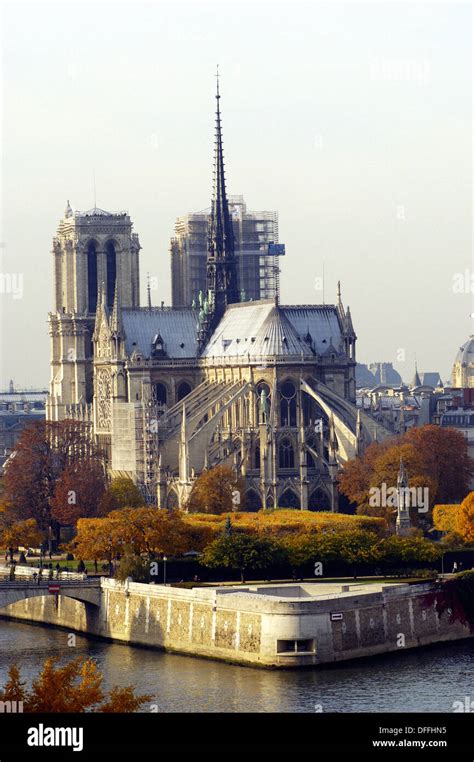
(92, 250)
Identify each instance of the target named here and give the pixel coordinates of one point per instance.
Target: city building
(462, 376)
(18, 408)
(256, 250)
(426, 400)
(264, 388)
(376, 373)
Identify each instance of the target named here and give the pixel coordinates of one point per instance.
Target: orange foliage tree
(44, 452)
(73, 687)
(444, 517)
(435, 458)
(464, 524)
(216, 490)
(24, 533)
(78, 492)
(131, 530)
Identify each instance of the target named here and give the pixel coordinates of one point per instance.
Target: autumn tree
(78, 492)
(148, 530)
(21, 533)
(464, 523)
(216, 490)
(74, 687)
(436, 458)
(42, 454)
(444, 517)
(96, 540)
(121, 493)
(131, 531)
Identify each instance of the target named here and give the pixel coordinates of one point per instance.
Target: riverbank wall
(277, 626)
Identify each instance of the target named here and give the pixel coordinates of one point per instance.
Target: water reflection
(419, 681)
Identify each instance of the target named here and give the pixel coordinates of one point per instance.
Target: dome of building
(463, 368)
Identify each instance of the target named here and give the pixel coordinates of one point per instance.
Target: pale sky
(353, 121)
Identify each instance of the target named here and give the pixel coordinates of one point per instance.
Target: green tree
(121, 493)
(396, 551)
(241, 553)
(134, 566)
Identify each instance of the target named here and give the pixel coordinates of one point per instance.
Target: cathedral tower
(92, 251)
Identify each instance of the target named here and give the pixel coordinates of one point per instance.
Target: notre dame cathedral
(264, 388)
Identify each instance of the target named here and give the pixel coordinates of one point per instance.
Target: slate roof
(321, 321)
(177, 327)
(262, 328)
(431, 379)
(258, 329)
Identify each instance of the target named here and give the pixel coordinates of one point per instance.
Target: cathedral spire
(148, 290)
(221, 269)
(116, 317)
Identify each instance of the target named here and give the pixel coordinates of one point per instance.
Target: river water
(428, 680)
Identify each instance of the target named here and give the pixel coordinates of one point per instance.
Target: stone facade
(93, 251)
(290, 626)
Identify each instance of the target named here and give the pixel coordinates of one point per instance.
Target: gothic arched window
(289, 499)
(253, 501)
(288, 404)
(92, 276)
(257, 456)
(111, 263)
(183, 390)
(286, 453)
(161, 394)
(319, 501)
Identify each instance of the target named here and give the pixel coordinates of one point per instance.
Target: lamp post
(164, 569)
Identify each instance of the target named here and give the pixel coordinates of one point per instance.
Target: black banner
(91, 736)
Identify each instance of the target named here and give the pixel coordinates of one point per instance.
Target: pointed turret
(116, 325)
(340, 306)
(416, 378)
(402, 478)
(403, 524)
(348, 326)
(101, 313)
(116, 318)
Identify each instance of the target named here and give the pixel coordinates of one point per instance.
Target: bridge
(84, 590)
